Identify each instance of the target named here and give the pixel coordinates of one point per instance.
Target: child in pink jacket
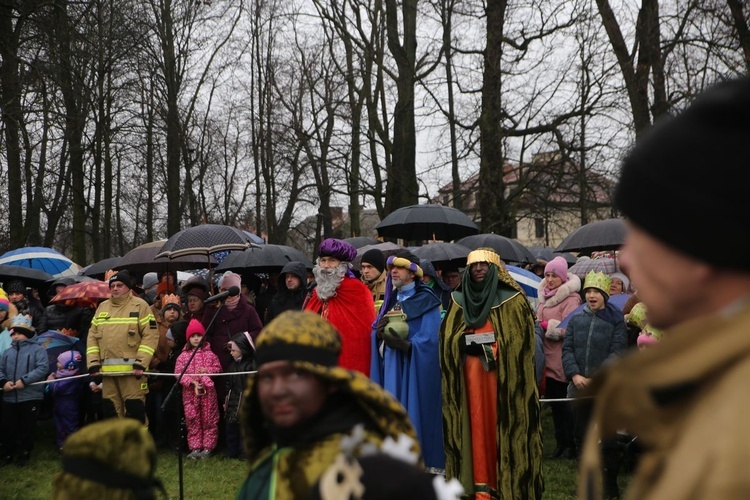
(199, 392)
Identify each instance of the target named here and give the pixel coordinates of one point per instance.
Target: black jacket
(285, 299)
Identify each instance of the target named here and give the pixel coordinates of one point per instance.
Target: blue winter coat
(25, 360)
(592, 338)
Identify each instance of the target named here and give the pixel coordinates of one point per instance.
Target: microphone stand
(171, 393)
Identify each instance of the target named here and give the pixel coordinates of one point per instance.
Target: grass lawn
(218, 478)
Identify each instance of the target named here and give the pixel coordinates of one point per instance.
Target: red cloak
(351, 311)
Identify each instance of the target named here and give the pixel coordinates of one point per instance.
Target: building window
(539, 227)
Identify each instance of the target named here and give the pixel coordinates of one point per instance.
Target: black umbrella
(360, 241)
(509, 249)
(441, 253)
(608, 234)
(548, 253)
(98, 269)
(143, 259)
(266, 258)
(33, 278)
(427, 222)
(205, 239)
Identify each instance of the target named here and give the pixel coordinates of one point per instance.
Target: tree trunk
(740, 24)
(171, 75)
(495, 217)
(447, 17)
(402, 188)
(10, 92)
(636, 80)
(74, 125)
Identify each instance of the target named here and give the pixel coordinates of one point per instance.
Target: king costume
(351, 310)
(286, 463)
(412, 373)
(491, 415)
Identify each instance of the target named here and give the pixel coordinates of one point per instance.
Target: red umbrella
(84, 294)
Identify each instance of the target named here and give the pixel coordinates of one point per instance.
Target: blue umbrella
(41, 258)
(55, 343)
(618, 300)
(254, 238)
(528, 281)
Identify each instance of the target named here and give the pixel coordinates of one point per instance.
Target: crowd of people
(461, 361)
(369, 370)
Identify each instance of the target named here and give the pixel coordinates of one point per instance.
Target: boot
(611, 489)
(611, 466)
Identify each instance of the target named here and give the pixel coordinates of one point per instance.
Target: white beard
(329, 279)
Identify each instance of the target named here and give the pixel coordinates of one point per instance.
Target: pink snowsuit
(201, 412)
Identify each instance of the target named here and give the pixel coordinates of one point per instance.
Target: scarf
(231, 302)
(478, 297)
(549, 292)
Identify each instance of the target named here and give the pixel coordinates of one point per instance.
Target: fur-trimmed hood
(12, 312)
(573, 285)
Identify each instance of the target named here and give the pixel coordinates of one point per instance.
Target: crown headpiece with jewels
(170, 298)
(483, 255)
(597, 280)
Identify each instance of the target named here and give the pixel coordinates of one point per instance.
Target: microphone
(232, 292)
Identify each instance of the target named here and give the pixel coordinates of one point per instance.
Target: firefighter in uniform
(123, 337)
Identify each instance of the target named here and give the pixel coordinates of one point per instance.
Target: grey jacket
(28, 361)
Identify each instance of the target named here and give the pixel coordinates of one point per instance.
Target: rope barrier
(224, 374)
(145, 374)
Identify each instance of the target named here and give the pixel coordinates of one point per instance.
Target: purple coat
(66, 397)
(243, 318)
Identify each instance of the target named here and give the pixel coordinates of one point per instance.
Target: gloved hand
(380, 327)
(96, 373)
(395, 342)
(553, 332)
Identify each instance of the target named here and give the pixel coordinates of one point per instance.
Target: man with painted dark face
(489, 388)
(344, 301)
(301, 405)
(408, 367)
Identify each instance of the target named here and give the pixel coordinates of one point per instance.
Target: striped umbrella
(528, 281)
(44, 259)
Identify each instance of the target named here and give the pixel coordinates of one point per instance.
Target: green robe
(519, 435)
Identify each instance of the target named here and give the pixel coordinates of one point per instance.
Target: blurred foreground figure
(300, 409)
(115, 458)
(685, 397)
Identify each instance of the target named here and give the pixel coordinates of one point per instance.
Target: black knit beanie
(124, 277)
(375, 258)
(16, 286)
(683, 182)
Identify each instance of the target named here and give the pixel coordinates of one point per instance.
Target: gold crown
(483, 255)
(109, 274)
(653, 332)
(637, 315)
(597, 280)
(170, 298)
